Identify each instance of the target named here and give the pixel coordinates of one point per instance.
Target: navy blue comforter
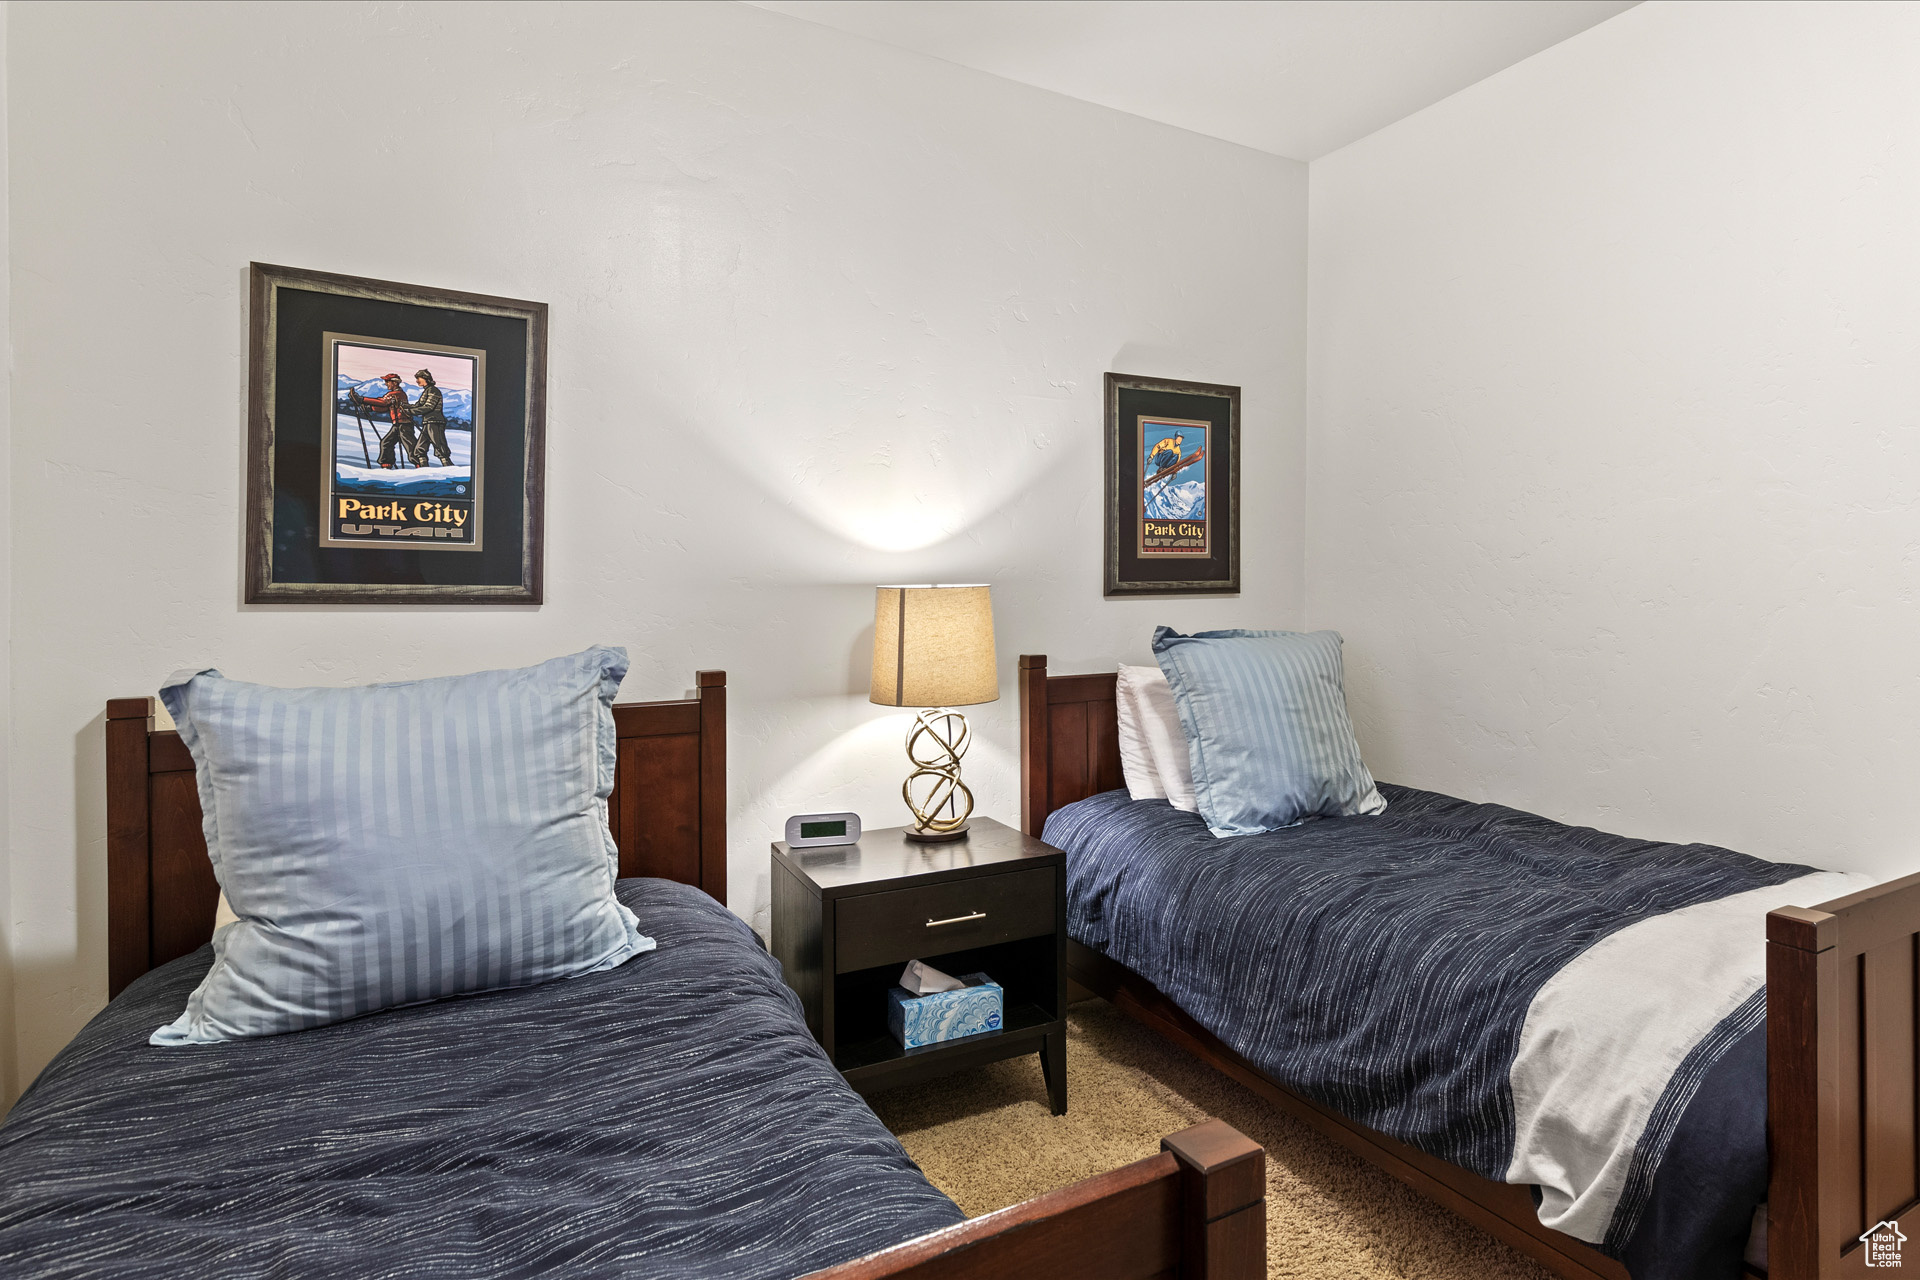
(671, 1117)
(1383, 967)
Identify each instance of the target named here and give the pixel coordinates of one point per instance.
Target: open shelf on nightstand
(876, 1050)
(871, 1059)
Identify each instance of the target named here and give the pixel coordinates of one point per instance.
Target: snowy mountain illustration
(455, 404)
(417, 482)
(1177, 501)
(356, 455)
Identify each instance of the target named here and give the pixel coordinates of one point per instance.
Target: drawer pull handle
(978, 915)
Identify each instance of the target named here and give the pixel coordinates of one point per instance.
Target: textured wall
(825, 314)
(1614, 482)
(9, 1084)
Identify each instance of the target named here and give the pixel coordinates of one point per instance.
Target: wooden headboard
(1069, 739)
(668, 813)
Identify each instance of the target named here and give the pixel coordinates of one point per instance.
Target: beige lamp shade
(933, 647)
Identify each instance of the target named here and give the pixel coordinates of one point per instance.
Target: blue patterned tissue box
(945, 1015)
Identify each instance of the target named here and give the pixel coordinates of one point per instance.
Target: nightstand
(847, 918)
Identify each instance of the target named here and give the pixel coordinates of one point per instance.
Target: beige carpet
(985, 1138)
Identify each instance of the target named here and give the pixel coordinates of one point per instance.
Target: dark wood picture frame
(285, 561)
(1132, 568)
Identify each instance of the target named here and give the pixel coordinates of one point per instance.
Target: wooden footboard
(1196, 1211)
(1843, 1077)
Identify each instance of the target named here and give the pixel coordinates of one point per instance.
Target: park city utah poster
(403, 458)
(1173, 488)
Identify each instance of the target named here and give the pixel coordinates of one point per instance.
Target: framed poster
(396, 443)
(1173, 487)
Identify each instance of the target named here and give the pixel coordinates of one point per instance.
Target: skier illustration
(1168, 458)
(401, 414)
(432, 422)
(1166, 452)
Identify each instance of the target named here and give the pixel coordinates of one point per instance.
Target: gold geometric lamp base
(935, 743)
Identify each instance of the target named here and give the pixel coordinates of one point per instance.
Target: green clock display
(810, 830)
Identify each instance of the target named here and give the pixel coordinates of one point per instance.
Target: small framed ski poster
(396, 443)
(400, 469)
(1173, 487)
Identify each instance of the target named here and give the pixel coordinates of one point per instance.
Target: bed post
(1223, 1209)
(1033, 743)
(712, 687)
(129, 926)
(1795, 952)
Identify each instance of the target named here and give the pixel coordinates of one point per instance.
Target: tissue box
(945, 1015)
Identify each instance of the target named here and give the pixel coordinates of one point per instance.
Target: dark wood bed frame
(1196, 1210)
(1843, 1027)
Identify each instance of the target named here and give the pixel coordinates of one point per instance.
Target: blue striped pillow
(1265, 714)
(396, 843)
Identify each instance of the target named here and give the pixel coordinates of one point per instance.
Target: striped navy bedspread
(671, 1117)
(1541, 1004)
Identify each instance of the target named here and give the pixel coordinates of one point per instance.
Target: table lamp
(933, 648)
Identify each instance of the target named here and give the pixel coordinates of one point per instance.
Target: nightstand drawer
(906, 924)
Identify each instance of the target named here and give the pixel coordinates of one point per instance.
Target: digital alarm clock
(809, 830)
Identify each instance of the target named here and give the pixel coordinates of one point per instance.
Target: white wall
(863, 297)
(1614, 476)
(9, 1084)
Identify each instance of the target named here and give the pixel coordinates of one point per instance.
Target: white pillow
(1136, 761)
(1157, 723)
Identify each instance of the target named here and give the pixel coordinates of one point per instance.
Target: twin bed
(1478, 999)
(668, 1117)
(1429, 987)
